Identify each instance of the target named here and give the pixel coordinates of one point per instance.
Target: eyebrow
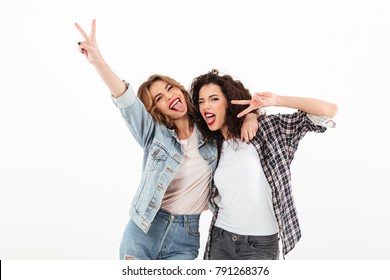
(213, 95)
(166, 88)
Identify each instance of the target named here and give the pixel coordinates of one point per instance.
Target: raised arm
(309, 105)
(91, 51)
(137, 118)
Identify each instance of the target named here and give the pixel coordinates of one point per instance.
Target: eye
(157, 98)
(214, 99)
(200, 101)
(170, 87)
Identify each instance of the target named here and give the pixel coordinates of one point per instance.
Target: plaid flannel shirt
(276, 142)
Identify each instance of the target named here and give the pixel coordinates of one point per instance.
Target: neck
(183, 128)
(225, 133)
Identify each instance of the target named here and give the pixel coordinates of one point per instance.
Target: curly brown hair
(150, 105)
(232, 89)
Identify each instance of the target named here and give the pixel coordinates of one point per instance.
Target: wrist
(98, 62)
(279, 101)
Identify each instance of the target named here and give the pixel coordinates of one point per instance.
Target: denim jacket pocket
(157, 153)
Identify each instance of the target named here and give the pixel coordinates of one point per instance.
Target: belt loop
(185, 221)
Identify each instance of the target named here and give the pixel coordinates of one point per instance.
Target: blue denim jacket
(162, 157)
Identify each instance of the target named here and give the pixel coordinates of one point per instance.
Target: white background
(69, 167)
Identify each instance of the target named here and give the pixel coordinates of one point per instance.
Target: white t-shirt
(189, 191)
(245, 205)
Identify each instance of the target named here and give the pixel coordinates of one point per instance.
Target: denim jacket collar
(198, 135)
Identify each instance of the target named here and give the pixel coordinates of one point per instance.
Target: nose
(169, 96)
(206, 105)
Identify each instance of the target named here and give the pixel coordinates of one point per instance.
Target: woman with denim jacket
(252, 197)
(177, 164)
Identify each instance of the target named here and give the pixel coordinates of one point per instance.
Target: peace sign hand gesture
(259, 100)
(89, 47)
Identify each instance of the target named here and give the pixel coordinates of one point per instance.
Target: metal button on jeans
(234, 238)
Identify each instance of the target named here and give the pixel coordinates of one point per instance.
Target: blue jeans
(226, 245)
(170, 237)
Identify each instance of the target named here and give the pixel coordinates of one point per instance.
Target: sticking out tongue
(211, 120)
(178, 106)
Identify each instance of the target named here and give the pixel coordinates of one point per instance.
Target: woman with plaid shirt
(252, 198)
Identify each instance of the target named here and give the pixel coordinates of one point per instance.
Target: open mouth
(176, 105)
(209, 118)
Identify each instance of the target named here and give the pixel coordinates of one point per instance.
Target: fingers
(244, 134)
(251, 134)
(83, 47)
(82, 32)
(82, 50)
(247, 135)
(259, 98)
(241, 102)
(93, 29)
(246, 111)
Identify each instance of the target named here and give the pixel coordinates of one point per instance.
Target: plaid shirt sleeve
(293, 127)
(213, 195)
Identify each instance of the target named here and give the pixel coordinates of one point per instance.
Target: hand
(259, 100)
(249, 127)
(89, 47)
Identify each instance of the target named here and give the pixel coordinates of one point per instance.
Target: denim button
(234, 238)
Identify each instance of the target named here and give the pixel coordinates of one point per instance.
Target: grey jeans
(226, 245)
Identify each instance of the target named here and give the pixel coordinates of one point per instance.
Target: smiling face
(212, 106)
(169, 100)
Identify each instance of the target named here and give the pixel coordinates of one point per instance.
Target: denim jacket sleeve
(138, 120)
